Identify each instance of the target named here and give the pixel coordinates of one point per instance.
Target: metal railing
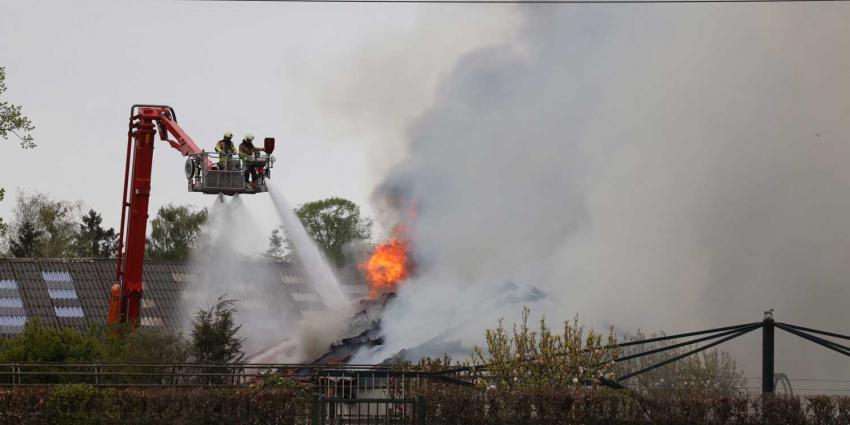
(367, 411)
(336, 381)
(228, 174)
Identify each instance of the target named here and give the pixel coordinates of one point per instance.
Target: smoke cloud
(665, 167)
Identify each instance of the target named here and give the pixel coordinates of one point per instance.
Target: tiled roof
(75, 292)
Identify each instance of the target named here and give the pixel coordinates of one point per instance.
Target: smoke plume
(665, 167)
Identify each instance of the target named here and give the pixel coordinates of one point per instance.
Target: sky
(336, 85)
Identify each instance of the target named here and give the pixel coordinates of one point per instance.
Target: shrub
(540, 359)
(712, 374)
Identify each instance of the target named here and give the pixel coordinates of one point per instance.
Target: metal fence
(330, 380)
(368, 411)
(336, 395)
(117, 375)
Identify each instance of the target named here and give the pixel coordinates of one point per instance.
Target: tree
(54, 222)
(12, 120)
(333, 223)
(278, 247)
(92, 240)
(174, 232)
(214, 331)
(214, 338)
(27, 243)
(2, 225)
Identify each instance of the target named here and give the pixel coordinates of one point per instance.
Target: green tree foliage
(27, 242)
(278, 247)
(710, 373)
(43, 227)
(154, 346)
(12, 120)
(214, 334)
(38, 343)
(525, 358)
(333, 223)
(174, 232)
(92, 240)
(144, 346)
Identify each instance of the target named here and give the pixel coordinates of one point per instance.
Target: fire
(389, 264)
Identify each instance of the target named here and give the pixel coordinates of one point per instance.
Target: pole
(767, 351)
(420, 410)
(317, 410)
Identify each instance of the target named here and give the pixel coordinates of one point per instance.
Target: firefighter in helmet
(225, 150)
(248, 154)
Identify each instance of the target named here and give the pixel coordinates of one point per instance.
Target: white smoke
(225, 264)
(656, 167)
(311, 338)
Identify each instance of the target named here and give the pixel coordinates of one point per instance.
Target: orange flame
(389, 264)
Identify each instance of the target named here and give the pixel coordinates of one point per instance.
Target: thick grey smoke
(665, 167)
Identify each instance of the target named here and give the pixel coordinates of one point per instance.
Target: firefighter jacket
(246, 151)
(225, 147)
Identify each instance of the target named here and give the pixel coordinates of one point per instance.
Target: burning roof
(364, 331)
(389, 265)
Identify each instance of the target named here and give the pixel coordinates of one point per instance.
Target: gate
(368, 411)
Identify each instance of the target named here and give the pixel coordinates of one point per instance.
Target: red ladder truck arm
(126, 297)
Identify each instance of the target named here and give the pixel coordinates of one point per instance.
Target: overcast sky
(337, 85)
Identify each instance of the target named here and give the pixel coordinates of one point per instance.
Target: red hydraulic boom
(145, 122)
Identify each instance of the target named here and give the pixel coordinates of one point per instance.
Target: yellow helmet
(228, 135)
(248, 137)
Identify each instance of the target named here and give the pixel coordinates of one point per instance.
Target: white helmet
(248, 137)
(228, 135)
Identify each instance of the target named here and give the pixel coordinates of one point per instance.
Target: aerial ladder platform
(206, 172)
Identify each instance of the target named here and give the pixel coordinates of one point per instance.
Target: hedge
(470, 406)
(85, 404)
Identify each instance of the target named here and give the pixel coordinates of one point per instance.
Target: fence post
(317, 407)
(767, 382)
(420, 410)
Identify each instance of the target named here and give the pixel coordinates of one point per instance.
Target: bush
(712, 373)
(541, 358)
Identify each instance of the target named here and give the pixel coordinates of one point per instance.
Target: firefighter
(247, 153)
(225, 150)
